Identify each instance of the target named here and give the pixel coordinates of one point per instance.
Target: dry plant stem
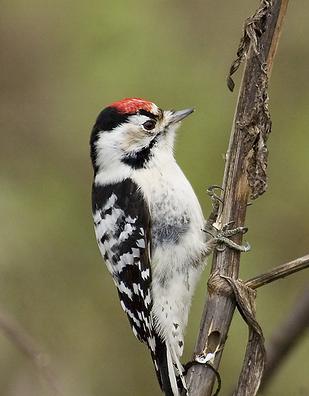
(287, 336)
(25, 343)
(246, 161)
(279, 272)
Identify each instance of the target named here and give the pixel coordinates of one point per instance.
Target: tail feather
(161, 366)
(171, 372)
(168, 369)
(179, 377)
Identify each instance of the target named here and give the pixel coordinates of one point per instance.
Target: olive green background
(61, 63)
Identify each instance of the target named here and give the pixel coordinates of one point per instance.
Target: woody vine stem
(244, 178)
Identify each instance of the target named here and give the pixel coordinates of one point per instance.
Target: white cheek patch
(126, 138)
(135, 140)
(130, 137)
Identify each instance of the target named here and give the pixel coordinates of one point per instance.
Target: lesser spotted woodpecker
(149, 227)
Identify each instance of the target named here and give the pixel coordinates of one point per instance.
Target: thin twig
(279, 272)
(27, 345)
(288, 334)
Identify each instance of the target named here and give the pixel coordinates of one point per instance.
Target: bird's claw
(221, 238)
(212, 194)
(226, 232)
(223, 242)
(216, 201)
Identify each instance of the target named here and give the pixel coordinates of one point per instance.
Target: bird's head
(130, 131)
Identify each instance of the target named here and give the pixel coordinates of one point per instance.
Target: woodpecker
(149, 227)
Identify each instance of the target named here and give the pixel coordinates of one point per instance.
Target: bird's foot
(219, 239)
(216, 201)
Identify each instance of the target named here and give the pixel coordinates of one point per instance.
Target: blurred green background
(62, 62)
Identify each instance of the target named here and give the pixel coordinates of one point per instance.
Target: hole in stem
(213, 341)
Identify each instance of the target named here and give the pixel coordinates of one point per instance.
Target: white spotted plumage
(149, 227)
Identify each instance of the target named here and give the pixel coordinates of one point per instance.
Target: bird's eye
(149, 124)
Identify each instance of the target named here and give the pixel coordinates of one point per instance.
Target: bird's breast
(176, 216)
(170, 221)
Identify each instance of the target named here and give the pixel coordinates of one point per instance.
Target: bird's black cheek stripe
(138, 159)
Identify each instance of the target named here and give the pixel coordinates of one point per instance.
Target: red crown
(132, 105)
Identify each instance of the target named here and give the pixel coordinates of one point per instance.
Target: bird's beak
(180, 115)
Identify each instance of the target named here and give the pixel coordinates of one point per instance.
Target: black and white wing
(122, 227)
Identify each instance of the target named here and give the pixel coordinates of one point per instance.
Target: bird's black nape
(107, 120)
(110, 118)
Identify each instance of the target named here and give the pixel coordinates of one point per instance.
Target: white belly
(177, 245)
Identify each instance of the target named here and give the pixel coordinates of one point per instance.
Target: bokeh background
(61, 63)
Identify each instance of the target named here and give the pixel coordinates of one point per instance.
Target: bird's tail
(168, 369)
